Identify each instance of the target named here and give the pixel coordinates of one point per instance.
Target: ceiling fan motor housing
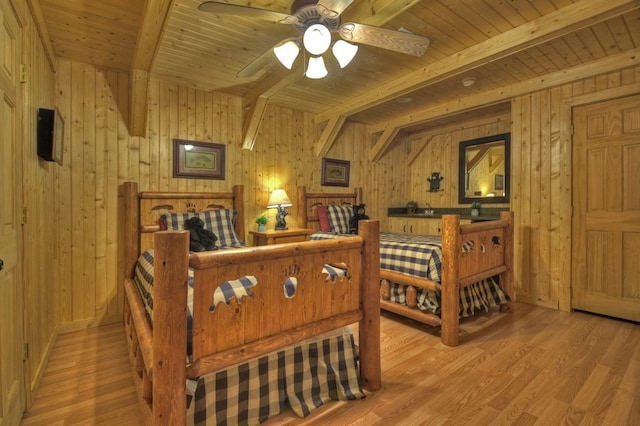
(307, 14)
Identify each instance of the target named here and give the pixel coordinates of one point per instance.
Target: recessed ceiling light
(468, 81)
(404, 99)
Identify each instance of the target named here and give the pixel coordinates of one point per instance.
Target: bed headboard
(142, 210)
(308, 202)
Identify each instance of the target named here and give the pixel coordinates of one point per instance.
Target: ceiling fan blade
(332, 8)
(398, 41)
(247, 12)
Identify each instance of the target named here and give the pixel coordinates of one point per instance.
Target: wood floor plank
(534, 367)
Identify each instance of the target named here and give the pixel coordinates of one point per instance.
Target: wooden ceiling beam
(153, 21)
(553, 25)
(491, 97)
(43, 33)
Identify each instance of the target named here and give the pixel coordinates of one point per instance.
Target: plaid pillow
(220, 222)
(339, 218)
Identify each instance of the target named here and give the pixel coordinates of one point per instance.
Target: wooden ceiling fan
(315, 21)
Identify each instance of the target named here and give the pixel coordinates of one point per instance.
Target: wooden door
(606, 202)
(12, 388)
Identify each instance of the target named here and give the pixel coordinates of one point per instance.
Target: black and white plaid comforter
(420, 256)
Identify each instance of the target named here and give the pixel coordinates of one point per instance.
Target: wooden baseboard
(38, 371)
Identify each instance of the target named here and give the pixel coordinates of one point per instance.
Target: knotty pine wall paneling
(542, 182)
(95, 104)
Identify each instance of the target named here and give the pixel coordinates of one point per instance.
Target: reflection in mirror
(483, 174)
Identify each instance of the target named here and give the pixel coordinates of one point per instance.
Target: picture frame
(335, 172)
(198, 160)
(498, 183)
(58, 138)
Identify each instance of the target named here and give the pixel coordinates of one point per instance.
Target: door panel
(12, 391)
(606, 223)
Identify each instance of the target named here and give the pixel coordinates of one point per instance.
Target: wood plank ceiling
(509, 47)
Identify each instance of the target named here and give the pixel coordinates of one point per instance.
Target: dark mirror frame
(462, 196)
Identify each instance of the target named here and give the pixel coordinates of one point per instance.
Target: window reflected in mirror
(483, 174)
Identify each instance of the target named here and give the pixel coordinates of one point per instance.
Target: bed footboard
(264, 320)
(488, 251)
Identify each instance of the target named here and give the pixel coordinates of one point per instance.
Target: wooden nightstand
(271, 236)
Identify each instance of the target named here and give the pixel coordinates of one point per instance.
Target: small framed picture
(498, 184)
(198, 160)
(335, 172)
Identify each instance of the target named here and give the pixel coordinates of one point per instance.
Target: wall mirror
(483, 173)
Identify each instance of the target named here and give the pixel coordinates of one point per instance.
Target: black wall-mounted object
(50, 133)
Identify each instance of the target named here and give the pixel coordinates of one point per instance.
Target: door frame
(566, 132)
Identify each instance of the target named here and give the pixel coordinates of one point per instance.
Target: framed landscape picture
(335, 172)
(199, 160)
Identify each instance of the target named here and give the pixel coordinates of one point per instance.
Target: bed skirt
(303, 377)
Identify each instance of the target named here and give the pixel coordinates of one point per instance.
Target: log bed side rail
(141, 326)
(410, 310)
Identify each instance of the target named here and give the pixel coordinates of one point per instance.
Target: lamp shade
(287, 53)
(316, 39)
(279, 198)
(316, 68)
(344, 52)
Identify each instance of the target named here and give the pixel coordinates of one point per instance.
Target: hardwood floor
(537, 366)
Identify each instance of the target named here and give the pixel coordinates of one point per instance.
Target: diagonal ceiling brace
(329, 135)
(154, 19)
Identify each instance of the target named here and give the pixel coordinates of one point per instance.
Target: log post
(411, 296)
(131, 231)
(451, 252)
(369, 329)
(506, 278)
(238, 205)
(385, 291)
(168, 374)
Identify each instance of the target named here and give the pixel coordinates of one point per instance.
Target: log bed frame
(261, 324)
(458, 269)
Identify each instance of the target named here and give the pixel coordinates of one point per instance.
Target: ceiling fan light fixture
(344, 52)
(287, 53)
(316, 39)
(316, 68)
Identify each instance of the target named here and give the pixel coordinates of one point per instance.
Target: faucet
(427, 209)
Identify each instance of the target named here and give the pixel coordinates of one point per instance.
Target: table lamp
(279, 200)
